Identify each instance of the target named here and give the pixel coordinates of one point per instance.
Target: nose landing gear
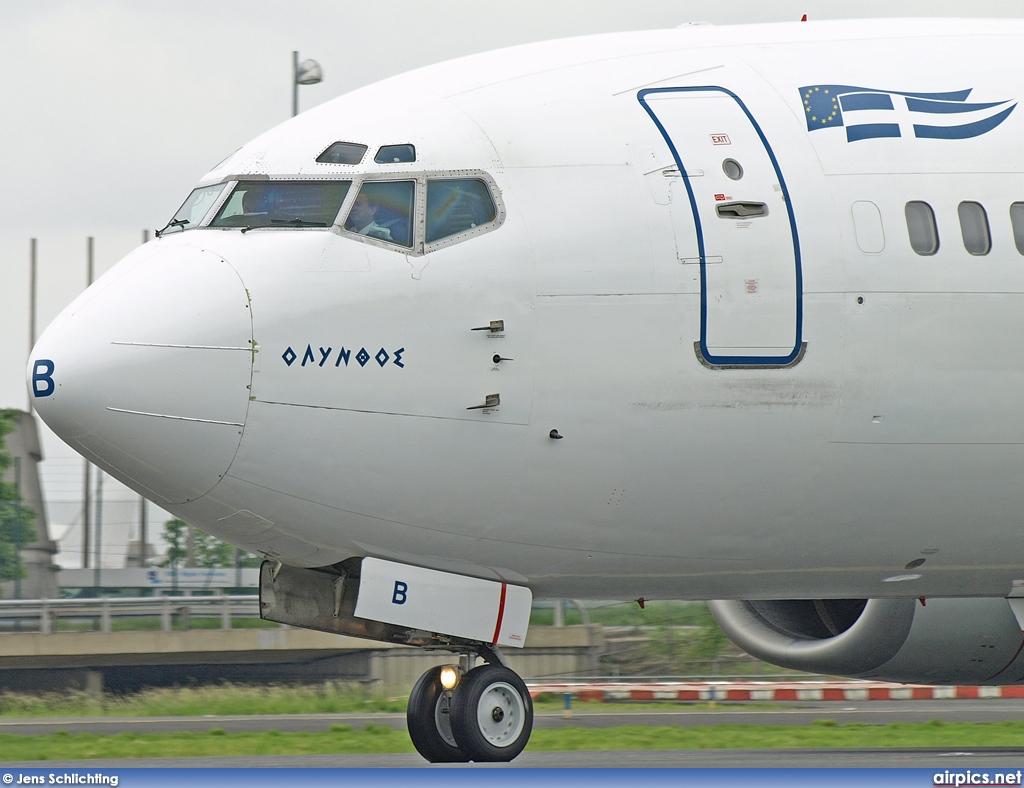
(428, 718)
(488, 716)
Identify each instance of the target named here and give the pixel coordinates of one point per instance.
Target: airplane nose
(148, 373)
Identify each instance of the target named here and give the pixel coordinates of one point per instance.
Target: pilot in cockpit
(362, 220)
(257, 205)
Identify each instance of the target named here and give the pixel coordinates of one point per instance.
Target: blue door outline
(706, 357)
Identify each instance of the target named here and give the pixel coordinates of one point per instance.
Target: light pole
(86, 473)
(17, 529)
(306, 73)
(97, 567)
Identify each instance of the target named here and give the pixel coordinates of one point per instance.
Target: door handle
(490, 401)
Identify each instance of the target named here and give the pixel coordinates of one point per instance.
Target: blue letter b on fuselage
(398, 598)
(42, 377)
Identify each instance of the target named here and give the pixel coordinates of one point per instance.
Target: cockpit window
(456, 205)
(283, 204)
(392, 154)
(194, 209)
(343, 153)
(384, 210)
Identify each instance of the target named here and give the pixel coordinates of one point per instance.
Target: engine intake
(845, 636)
(947, 641)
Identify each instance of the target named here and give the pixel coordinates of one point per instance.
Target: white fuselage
(882, 426)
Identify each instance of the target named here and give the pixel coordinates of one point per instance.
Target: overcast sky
(112, 109)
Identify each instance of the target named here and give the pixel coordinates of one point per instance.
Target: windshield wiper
(294, 222)
(172, 223)
(297, 222)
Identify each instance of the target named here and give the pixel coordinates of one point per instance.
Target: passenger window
(924, 235)
(454, 206)
(974, 228)
(343, 153)
(283, 204)
(733, 169)
(383, 210)
(1017, 220)
(393, 154)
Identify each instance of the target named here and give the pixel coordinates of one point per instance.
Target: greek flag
(868, 113)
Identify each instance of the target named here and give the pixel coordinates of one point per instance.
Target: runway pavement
(975, 758)
(806, 713)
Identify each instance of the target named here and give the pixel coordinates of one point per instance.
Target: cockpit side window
(194, 209)
(282, 204)
(393, 154)
(343, 153)
(384, 210)
(457, 205)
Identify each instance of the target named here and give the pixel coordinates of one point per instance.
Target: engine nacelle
(946, 641)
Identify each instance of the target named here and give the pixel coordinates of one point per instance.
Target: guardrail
(43, 615)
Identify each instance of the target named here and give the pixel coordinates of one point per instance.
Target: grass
(231, 699)
(227, 700)
(823, 733)
(381, 739)
(222, 700)
(64, 746)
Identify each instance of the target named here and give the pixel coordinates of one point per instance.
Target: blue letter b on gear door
(42, 377)
(398, 598)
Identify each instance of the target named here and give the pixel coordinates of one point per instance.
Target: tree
(208, 552)
(175, 534)
(17, 521)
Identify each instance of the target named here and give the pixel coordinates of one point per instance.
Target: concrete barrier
(125, 661)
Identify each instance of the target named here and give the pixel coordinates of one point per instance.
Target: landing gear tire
(492, 714)
(428, 719)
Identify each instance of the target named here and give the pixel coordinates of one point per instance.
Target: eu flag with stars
(821, 106)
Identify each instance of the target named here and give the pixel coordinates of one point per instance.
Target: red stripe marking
(879, 691)
(501, 614)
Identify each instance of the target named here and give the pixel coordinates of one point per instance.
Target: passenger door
(746, 236)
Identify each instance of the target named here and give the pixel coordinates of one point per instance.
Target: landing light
(449, 677)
